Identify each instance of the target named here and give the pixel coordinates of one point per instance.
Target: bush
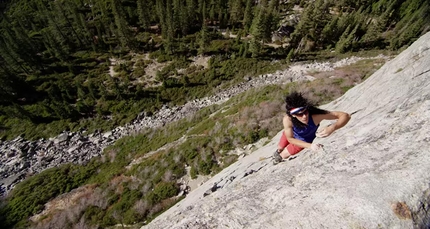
(94, 214)
(30, 196)
(205, 167)
(193, 173)
(162, 191)
(164, 58)
(165, 190)
(190, 154)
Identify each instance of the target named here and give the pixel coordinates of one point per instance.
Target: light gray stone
(61, 138)
(373, 173)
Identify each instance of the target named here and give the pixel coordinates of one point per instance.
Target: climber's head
(299, 109)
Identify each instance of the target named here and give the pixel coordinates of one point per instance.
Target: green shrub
(113, 199)
(154, 55)
(205, 167)
(94, 214)
(30, 196)
(162, 191)
(107, 221)
(190, 154)
(139, 72)
(193, 172)
(131, 217)
(164, 58)
(166, 190)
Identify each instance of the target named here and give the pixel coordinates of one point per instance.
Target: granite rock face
(373, 173)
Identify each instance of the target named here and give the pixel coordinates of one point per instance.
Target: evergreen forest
(56, 64)
(55, 55)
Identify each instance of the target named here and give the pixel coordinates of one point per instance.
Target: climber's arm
(341, 117)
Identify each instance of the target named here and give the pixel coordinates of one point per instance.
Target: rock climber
(301, 123)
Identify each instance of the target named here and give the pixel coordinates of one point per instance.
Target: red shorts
(292, 149)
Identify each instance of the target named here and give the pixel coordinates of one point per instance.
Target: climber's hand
(316, 146)
(325, 132)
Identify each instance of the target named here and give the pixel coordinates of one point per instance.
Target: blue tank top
(307, 133)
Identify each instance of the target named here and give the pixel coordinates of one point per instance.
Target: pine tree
(212, 10)
(414, 16)
(261, 29)
(202, 9)
(271, 20)
(115, 88)
(373, 31)
(245, 50)
(171, 27)
(347, 40)
(241, 49)
(192, 7)
(273, 6)
(264, 3)
(255, 47)
(203, 39)
(303, 27)
(312, 23)
(8, 50)
(93, 90)
(222, 16)
(408, 35)
(236, 11)
(8, 91)
(176, 16)
(290, 56)
(80, 91)
(143, 10)
(59, 11)
(80, 22)
(56, 32)
(321, 17)
(17, 111)
(121, 30)
(248, 16)
(27, 49)
(258, 24)
(102, 22)
(184, 19)
(161, 12)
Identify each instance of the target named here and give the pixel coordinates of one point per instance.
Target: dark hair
(296, 99)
